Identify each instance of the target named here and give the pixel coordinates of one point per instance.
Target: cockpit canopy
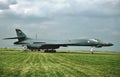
(96, 40)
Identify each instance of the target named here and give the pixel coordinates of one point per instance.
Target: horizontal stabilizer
(11, 38)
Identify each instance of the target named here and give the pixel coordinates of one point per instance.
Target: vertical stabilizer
(21, 36)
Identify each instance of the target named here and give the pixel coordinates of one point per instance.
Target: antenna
(36, 36)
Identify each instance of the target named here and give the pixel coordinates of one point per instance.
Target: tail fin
(20, 36)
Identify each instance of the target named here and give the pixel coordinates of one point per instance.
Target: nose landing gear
(92, 50)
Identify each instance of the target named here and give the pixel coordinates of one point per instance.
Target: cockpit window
(96, 40)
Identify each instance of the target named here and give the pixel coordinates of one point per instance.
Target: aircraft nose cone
(110, 44)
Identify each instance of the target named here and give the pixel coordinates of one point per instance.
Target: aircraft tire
(50, 51)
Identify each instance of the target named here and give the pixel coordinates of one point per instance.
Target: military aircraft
(50, 46)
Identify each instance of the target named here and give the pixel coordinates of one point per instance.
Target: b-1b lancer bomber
(50, 46)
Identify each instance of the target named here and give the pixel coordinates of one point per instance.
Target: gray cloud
(4, 4)
(48, 8)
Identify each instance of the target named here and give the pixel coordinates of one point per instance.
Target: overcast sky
(61, 19)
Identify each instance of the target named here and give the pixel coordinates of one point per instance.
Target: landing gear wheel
(92, 50)
(50, 51)
(46, 51)
(54, 51)
(25, 48)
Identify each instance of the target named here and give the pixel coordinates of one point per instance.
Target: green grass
(16, 63)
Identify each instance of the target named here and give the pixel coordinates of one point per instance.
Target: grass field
(16, 63)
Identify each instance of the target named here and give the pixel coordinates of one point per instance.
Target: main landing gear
(25, 48)
(50, 51)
